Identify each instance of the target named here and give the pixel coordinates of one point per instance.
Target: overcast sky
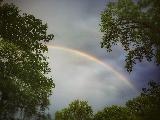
(75, 24)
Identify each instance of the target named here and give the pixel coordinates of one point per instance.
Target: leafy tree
(136, 25)
(77, 110)
(147, 105)
(114, 113)
(24, 87)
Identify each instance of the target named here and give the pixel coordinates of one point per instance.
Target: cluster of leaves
(114, 113)
(147, 105)
(144, 107)
(77, 110)
(136, 25)
(24, 87)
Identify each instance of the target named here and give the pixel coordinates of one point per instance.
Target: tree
(147, 105)
(77, 110)
(114, 113)
(136, 25)
(24, 87)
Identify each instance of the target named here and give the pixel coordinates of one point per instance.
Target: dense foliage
(136, 26)
(114, 113)
(24, 87)
(77, 110)
(147, 105)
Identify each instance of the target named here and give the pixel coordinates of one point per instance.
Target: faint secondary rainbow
(92, 58)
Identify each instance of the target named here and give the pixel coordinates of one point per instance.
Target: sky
(75, 24)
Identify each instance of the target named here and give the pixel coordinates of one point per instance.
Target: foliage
(114, 113)
(147, 105)
(77, 110)
(24, 87)
(136, 25)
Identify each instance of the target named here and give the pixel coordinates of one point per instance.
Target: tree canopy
(147, 105)
(114, 113)
(24, 87)
(77, 110)
(136, 26)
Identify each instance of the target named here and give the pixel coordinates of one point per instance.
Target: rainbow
(92, 58)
